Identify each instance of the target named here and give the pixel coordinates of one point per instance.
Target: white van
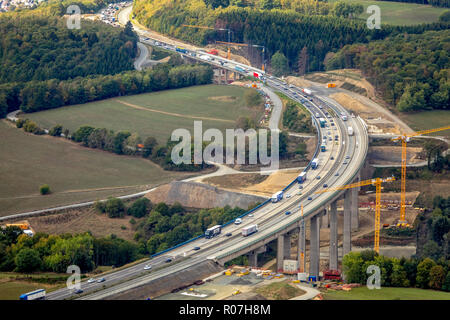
(238, 221)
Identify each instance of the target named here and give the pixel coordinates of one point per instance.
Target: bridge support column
(253, 259)
(355, 209)
(226, 76)
(333, 236)
(324, 220)
(314, 248)
(301, 247)
(287, 246)
(280, 252)
(347, 246)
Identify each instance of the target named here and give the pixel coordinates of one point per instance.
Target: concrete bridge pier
(287, 246)
(280, 252)
(324, 219)
(347, 245)
(355, 209)
(314, 248)
(301, 247)
(333, 236)
(253, 256)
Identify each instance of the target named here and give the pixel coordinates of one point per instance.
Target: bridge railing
(316, 124)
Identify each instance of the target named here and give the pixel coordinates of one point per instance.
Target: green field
(216, 106)
(428, 120)
(400, 13)
(363, 293)
(74, 173)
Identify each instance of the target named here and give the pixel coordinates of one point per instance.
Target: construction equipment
(229, 44)
(405, 138)
(331, 85)
(377, 183)
(210, 28)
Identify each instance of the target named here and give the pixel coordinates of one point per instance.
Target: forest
(412, 71)
(160, 226)
(40, 95)
(35, 48)
(42, 252)
(285, 30)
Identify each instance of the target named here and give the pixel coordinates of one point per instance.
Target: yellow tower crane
(377, 183)
(211, 28)
(405, 138)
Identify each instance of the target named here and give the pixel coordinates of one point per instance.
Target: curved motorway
(338, 165)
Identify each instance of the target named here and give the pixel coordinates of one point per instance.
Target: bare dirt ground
(254, 183)
(379, 119)
(393, 155)
(82, 220)
(346, 79)
(359, 96)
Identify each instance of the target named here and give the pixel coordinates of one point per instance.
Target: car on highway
(345, 162)
(332, 123)
(288, 196)
(196, 248)
(101, 280)
(250, 215)
(347, 157)
(299, 193)
(288, 213)
(229, 234)
(168, 260)
(147, 267)
(238, 221)
(78, 291)
(318, 177)
(331, 158)
(325, 185)
(91, 280)
(309, 198)
(337, 174)
(329, 139)
(300, 187)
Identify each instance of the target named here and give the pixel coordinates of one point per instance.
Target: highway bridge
(340, 164)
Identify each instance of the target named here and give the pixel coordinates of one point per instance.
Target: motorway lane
(237, 239)
(208, 245)
(267, 217)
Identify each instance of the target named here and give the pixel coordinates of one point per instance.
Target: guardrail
(255, 208)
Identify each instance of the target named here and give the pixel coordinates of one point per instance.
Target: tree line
(421, 273)
(42, 252)
(410, 70)
(283, 29)
(41, 47)
(40, 95)
(162, 226)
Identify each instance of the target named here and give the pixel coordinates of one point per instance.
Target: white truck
(277, 196)
(307, 91)
(350, 131)
(249, 230)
